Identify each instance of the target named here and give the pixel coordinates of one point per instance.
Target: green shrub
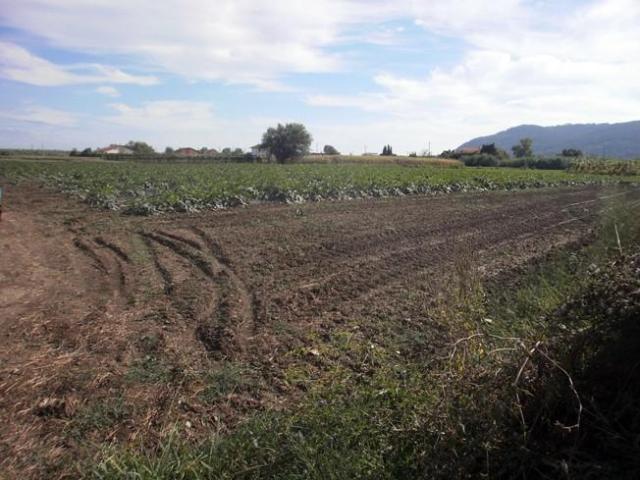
(480, 160)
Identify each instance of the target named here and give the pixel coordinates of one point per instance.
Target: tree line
(290, 141)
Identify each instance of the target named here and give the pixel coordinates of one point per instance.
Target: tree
(489, 149)
(387, 151)
(524, 148)
(330, 150)
(237, 151)
(503, 154)
(140, 148)
(571, 152)
(286, 142)
(169, 151)
(73, 153)
(226, 151)
(87, 152)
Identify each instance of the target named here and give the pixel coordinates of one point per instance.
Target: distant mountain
(619, 140)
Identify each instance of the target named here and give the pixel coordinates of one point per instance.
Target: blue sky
(76, 73)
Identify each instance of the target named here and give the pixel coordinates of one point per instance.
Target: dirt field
(112, 326)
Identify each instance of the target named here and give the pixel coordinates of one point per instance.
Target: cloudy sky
(356, 72)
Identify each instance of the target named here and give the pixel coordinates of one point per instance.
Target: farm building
(468, 150)
(114, 149)
(187, 152)
(259, 152)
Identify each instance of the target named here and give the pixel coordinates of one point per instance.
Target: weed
(231, 378)
(152, 370)
(98, 416)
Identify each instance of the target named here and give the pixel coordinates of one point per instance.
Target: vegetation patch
(143, 189)
(100, 416)
(230, 379)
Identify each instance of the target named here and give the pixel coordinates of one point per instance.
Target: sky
(359, 74)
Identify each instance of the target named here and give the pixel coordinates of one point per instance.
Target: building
(187, 152)
(468, 150)
(114, 149)
(259, 152)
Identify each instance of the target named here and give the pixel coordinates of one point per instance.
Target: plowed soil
(111, 326)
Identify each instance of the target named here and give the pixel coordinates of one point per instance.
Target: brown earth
(119, 329)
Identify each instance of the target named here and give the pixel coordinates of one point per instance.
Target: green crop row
(148, 188)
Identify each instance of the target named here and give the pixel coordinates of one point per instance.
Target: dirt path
(99, 310)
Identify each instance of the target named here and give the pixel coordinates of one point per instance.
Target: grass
(230, 378)
(152, 370)
(100, 415)
(147, 188)
(479, 409)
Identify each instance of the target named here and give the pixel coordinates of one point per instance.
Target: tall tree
(140, 148)
(571, 152)
(330, 150)
(524, 148)
(489, 149)
(287, 142)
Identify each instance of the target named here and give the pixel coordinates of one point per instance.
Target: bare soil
(111, 326)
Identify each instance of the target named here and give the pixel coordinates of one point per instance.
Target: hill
(619, 140)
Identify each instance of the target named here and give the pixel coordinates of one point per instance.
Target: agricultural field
(149, 188)
(387, 337)
(607, 167)
(381, 160)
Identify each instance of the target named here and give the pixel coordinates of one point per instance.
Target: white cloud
(176, 123)
(165, 115)
(108, 91)
(525, 61)
(236, 41)
(522, 66)
(18, 64)
(38, 114)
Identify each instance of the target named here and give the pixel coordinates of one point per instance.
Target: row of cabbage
(151, 188)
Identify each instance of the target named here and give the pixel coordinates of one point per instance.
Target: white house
(259, 152)
(114, 149)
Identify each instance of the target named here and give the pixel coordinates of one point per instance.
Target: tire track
(114, 248)
(221, 328)
(165, 274)
(89, 252)
(179, 238)
(238, 302)
(196, 258)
